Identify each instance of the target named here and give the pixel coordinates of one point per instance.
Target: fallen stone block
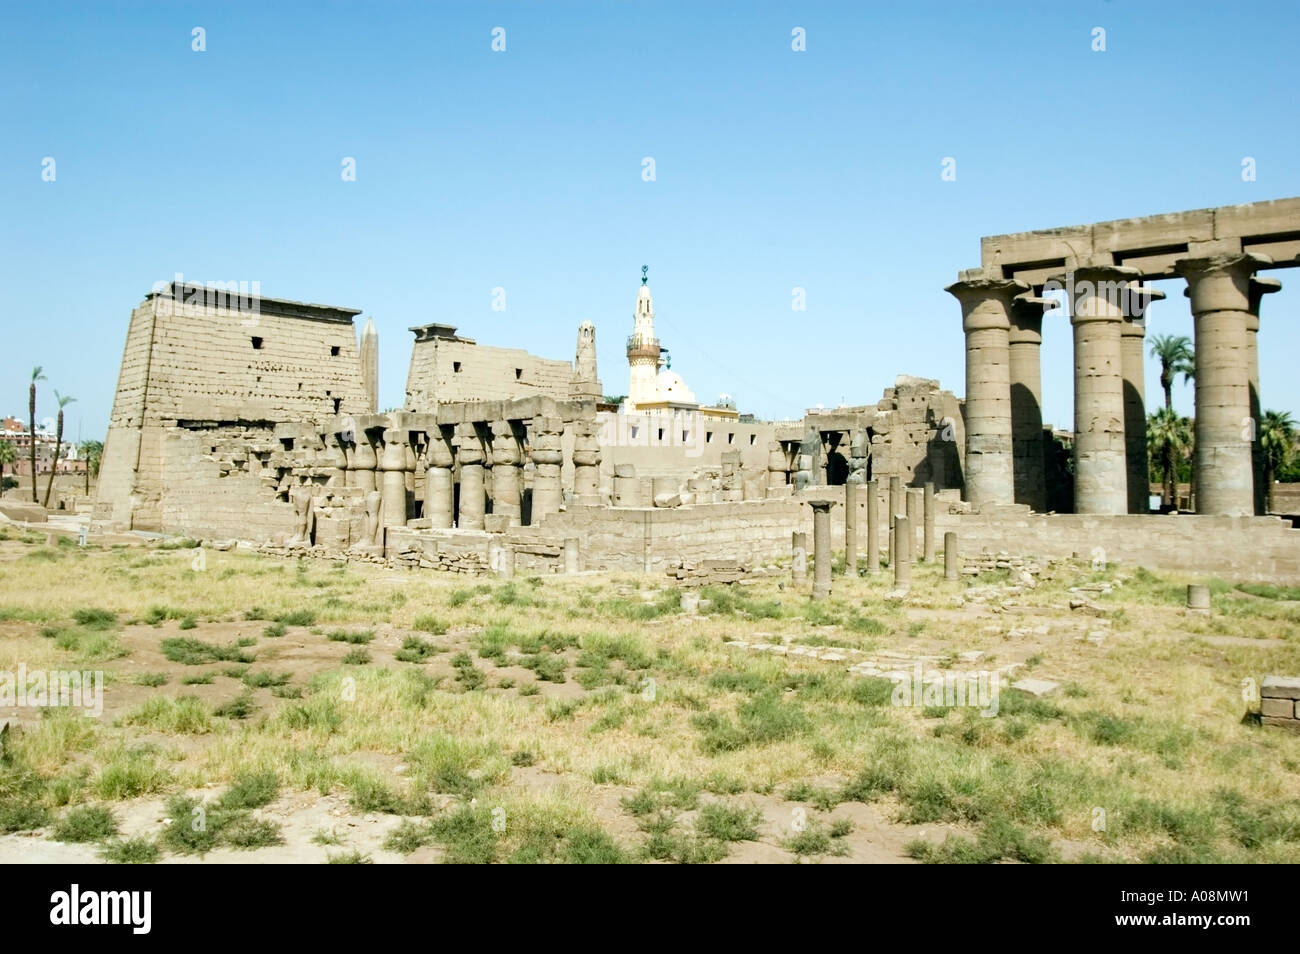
(1280, 687)
(1085, 606)
(1282, 708)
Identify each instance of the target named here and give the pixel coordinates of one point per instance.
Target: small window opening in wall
(708, 437)
(686, 435)
(334, 351)
(752, 438)
(731, 438)
(257, 343)
(519, 373)
(661, 435)
(338, 403)
(455, 366)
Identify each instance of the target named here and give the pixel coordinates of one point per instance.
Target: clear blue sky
(522, 169)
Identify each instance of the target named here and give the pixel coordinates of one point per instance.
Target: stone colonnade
(1005, 441)
(472, 466)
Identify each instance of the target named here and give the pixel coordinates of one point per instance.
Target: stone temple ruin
(257, 420)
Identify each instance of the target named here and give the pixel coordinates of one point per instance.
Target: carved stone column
(363, 463)
(586, 464)
(335, 462)
(778, 474)
(821, 548)
(1259, 287)
(392, 468)
(439, 485)
(986, 319)
(1025, 341)
(1132, 341)
(1100, 298)
(507, 475)
(547, 455)
(1219, 287)
(473, 498)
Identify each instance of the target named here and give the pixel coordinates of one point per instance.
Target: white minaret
(643, 350)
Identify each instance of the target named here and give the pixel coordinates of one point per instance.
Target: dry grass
(538, 697)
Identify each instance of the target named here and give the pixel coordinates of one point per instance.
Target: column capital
(986, 302)
(1220, 282)
(1139, 301)
(1098, 292)
(1245, 263)
(1094, 272)
(982, 288)
(1027, 313)
(821, 506)
(1257, 289)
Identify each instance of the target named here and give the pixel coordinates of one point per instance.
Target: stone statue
(301, 496)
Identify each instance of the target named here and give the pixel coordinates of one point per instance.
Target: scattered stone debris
(1080, 605)
(1025, 569)
(1035, 687)
(1024, 632)
(710, 572)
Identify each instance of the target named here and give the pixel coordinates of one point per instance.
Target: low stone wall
(453, 551)
(1264, 549)
(651, 539)
(662, 541)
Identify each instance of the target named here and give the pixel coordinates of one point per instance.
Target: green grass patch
(355, 637)
(85, 823)
(416, 650)
(130, 851)
(194, 652)
(728, 822)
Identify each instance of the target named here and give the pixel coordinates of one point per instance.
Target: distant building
(652, 384)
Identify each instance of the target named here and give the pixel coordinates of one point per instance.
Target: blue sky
(522, 169)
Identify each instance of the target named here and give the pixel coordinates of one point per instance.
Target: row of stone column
(920, 509)
(389, 465)
(1005, 443)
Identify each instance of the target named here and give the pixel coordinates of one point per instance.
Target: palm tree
(8, 455)
(58, 444)
(31, 420)
(1277, 442)
(1169, 438)
(92, 452)
(1176, 357)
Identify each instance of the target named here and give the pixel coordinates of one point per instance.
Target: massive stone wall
(195, 360)
(448, 369)
(678, 443)
(915, 432)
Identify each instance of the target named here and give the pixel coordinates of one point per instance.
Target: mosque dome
(673, 388)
